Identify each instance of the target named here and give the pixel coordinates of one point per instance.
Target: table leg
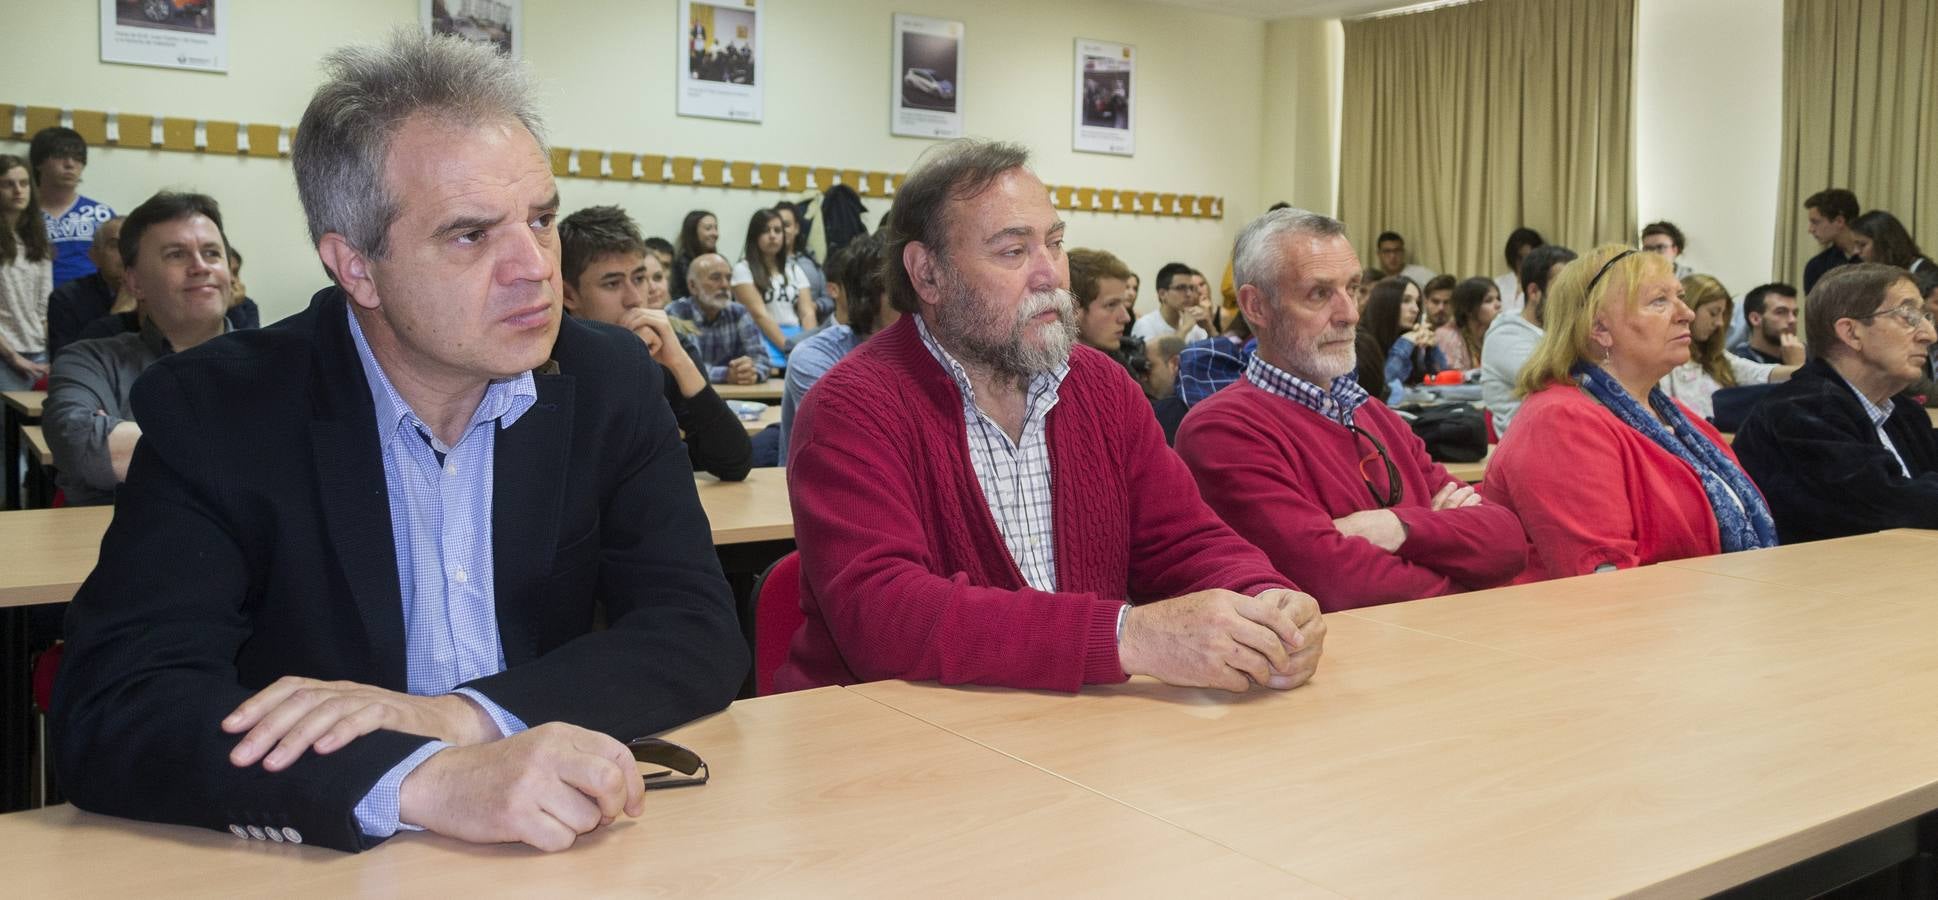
(12, 467)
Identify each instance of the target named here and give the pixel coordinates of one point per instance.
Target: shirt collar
(1337, 401)
(1878, 414)
(505, 399)
(1044, 384)
(157, 342)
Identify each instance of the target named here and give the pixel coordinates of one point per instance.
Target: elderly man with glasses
(1839, 449)
(1299, 460)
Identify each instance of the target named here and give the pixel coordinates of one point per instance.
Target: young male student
(58, 156)
(1181, 307)
(609, 279)
(176, 262)
(1830, 213)
(1769, 318)
(1391, 249)
(936, 545)
(1839, 449)
(420, 556)
(1512, 337)
(1281, 455)
(76, 304)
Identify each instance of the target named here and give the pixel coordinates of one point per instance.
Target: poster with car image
(494, 22)
(927, 77)
(176, 34)
(719, 60)
(1106, 97)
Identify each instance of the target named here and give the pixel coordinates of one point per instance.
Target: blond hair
(1699, 291)
(1574, 300)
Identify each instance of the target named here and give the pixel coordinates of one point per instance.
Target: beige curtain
(1860, 111)
(1464, 123)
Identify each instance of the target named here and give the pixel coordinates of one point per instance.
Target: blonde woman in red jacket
(1604, 470)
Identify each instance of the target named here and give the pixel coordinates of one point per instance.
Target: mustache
(1058, 299)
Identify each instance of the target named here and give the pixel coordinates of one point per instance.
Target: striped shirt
(440, 522)
(1336, 403)
(1878, 416)
(1014, 475)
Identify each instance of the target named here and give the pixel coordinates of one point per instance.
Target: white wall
(1709, 126)
(605, 66)
(1304, 73)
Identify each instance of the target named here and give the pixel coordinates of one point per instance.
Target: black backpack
(1453, 432)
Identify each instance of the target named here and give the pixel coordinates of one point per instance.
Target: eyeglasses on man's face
(1910, 315)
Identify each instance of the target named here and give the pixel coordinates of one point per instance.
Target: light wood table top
(1472, 472)
(1659, 731)
(49, 552)
(768, 391)
(35, 441)
(769, 416)
(746, 511)
(821, 793)
(26, 403)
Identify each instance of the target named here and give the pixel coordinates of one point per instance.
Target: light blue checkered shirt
(440, 520)
(1880, 415)
(1336, 403)
(1014, 475)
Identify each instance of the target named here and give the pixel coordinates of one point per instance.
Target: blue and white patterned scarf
(1747, 526)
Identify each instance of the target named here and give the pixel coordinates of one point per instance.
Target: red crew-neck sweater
(1591, 491)
(1279, 473)
(903, 572)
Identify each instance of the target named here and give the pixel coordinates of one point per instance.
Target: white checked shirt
(1015, 475)
(1879, 415)
(1336, 402)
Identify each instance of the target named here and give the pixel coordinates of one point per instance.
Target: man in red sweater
(957, 499)
(1331, 484)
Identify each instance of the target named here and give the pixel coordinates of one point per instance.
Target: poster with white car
(719, 60)
(928, 68)
(176, 34)
(494, 22)
(1106, 95)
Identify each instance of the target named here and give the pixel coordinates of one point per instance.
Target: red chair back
(777, 615)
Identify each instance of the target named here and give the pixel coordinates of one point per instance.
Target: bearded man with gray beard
(976, 500)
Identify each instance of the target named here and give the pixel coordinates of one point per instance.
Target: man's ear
(571, 295)
(351, 269)
(923, 271)
(1251, 302)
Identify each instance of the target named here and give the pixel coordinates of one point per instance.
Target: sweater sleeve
(1475, 546)
(885, 600)
(1576, 524)
(1264, 499)
(80, 384)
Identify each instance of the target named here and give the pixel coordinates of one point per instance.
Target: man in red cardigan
(1330, 483)
(958, 499)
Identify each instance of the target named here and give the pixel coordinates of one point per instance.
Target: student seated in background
(795, 240)
(1880, 238)
(1770, 322)
(1394, 345)
(860, 311)
(1604, 469)
(1664, 239)
(724, 331)
(936, 546)
(1181, 307)
(1281, 455)
(124, 317)
(1830, 213)
(1161, 384)
(26, 280)
(1099, 282)
(767, 284)
(1476, 303)
(1511, 339)
(610, 277)
(59, 156)
(420, 556)
(1520, 243)
(176, 262)
(699, 235)
(662, 250)
(1436, 301)
(1211, 365)
(1710, 368)
(1391, 250)
(76, 304)
(1840, 450)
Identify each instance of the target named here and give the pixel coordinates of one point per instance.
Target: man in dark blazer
(1838, 450)
(355, 576)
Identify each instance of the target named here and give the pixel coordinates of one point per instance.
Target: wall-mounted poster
(178, 34)
(496, 22)
(1106, 97)
(719, 59)
(927, 77)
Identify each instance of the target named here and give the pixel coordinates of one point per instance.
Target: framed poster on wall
(927, 78)
(719, 59)
(1106, 94)
(496, 22)
(176, 34)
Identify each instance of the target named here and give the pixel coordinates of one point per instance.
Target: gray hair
(1255, 256)
(367, 94)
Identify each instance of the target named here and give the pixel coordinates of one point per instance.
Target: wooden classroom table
(820, 793)
(1669, 731)
(743, 512)
(768, 391)
(769, 416)
(20, 408)
(1472, 472)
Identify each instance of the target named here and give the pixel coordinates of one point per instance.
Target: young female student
(797, 253)
(1881, 238)
(774, 289)
(1395, 344)
(1710, 367)
(26, 278)
(1475, 303)
(699, 234)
